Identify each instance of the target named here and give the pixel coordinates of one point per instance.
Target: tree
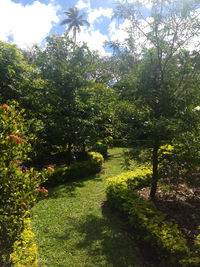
(74, 21)
(74, 108)
(12, 69)
(167, 78)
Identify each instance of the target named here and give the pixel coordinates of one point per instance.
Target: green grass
(73, 228)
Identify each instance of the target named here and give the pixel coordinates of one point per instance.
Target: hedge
(101, 148)
(148, 221)
(25, 250)
(76, 170)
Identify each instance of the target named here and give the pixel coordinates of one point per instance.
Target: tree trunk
(69, 152)
(74, 35)
(155, 168)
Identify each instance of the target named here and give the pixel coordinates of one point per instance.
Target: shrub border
(25, 249)
(76, 170)
(148, 221)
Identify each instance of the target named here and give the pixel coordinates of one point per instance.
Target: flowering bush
(42, 192)
(18, 185)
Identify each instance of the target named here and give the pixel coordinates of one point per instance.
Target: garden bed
(155, 222)
(181, 204)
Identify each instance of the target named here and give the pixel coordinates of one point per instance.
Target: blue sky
(28, 22)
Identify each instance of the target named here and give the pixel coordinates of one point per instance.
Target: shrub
(76, 170)
(150, 223)
(132, 180)
(118, 143)
(25, 250)
(18, 186)
(180, 161)
(101, 148)
(194, 260)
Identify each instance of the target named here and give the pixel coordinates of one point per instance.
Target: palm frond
(65, 21)
(84, 21)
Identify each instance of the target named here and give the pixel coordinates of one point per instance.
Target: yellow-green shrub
(194, 260)
(150, 223)
(25, 250)
(100, 148)
(77, 170)
(118, 185)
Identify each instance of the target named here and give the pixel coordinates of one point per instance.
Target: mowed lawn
(74, 227)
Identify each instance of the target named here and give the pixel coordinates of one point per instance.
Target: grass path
(73, 229)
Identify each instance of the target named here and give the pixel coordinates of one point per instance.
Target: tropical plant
(74, 20)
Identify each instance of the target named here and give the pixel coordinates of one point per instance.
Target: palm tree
(74, 21)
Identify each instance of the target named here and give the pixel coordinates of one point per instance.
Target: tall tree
(165, 85)
(74, 20)
(74, 107)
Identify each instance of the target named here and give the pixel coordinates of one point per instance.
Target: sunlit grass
(73, 228)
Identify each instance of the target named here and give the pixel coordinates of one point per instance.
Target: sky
(29, 22)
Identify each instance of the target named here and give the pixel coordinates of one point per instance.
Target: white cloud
(94, 39)
(118, 33)
(122, 32)
(81, 4)
(97, 13)
(146, 3)
(27, 24)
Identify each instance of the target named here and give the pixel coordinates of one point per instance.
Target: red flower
(17, 139)
(25, 171)
(42, 190)
(15, 162)
(4, 107)
(46, 191)
(23, 204)
(11, 137)
(50, 169)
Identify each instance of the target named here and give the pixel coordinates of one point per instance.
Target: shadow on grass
(109, 157)
(69, 188)
(105, 237)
